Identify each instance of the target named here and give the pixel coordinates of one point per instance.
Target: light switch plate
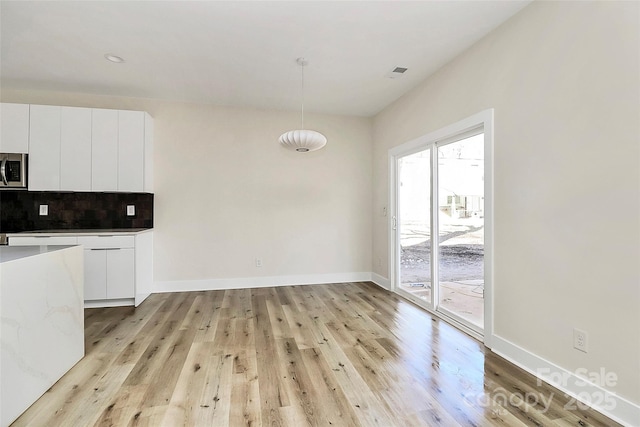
(44, 210)
(131, 210)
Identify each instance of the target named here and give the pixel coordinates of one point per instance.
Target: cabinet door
(75, 149)
(14, 128)
(144, 266)
(120, 273)
(44, 148)
(148, 153)
(95, 274)
(130, 151)
(104, 146)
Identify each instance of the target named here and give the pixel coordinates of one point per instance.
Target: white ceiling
(240, 53)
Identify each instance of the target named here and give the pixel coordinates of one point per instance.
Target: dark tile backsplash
(19, 210)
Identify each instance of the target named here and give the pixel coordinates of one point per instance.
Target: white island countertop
(41, 321)
(13, 253)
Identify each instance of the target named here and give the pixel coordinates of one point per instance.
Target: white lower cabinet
(95, 274)
(118, 269)
(109, 273)
(110, 270)
(121, 273)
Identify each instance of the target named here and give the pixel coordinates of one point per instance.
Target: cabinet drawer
(106, 242)
(42, 240)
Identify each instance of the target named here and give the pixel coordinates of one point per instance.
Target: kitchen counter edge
(93, 232)
(15, 253)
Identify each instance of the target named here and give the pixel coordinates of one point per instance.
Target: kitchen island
(41, 319)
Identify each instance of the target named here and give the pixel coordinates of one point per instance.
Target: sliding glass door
(439, 227)
(461, 230)
(414, 227)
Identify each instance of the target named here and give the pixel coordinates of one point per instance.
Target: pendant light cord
(302, 109)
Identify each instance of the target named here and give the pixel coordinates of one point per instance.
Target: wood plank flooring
(321, 355)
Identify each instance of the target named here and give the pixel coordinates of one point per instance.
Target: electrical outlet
(580, 340)
(131, 210)
(258, 262)
(44, 210)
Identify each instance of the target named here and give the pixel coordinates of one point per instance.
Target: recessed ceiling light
(114, 58)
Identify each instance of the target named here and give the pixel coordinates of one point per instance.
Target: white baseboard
(593, 395)
(383, 282)
(258, 282)
(109, 303)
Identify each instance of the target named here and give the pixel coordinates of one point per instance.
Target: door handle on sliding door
(394, 223)
(3, 171)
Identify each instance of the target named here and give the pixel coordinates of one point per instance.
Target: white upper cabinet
(14, 128)
(131, 151)
(85, 149)
(148, 153)
(75, 149)
(104, 157)
(122, 150)
(44, 147)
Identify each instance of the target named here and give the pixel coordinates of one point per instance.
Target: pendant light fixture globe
(303, 140)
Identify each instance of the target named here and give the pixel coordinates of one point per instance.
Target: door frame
(453, 132)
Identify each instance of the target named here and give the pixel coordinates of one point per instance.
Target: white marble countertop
(42, 322)
(12, 253)
(75, 232)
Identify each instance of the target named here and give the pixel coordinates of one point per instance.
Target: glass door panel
(461, 230)
(414, 225)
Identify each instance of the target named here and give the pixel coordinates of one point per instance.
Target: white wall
(563, 78)
(226, 192)
(242, 196)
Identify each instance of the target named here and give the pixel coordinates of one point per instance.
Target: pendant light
(303, 140)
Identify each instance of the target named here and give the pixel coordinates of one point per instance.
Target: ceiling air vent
(396, 72)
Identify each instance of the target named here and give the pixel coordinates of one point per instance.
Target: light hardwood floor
(327, 355)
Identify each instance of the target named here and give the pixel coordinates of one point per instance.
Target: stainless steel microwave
(13, 171)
